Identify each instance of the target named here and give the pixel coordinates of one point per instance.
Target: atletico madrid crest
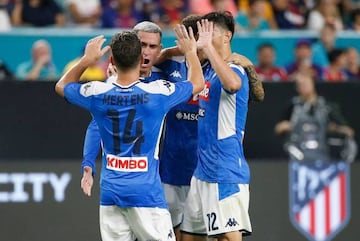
(319, 198)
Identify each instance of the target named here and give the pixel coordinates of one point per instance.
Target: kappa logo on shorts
(232, 223)
(170, 235)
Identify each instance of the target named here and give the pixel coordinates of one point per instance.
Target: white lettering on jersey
(187, 116)
(127, 164)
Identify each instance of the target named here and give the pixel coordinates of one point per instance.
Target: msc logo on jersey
(187, 116)
(319, 198)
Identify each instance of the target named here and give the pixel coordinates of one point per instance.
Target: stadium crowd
(321, 56)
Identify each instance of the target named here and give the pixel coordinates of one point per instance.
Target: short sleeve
(79, 94)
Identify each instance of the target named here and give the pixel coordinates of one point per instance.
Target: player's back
(130, 119)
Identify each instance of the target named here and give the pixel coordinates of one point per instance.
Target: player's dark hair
(224, 19)
(190, 21)
(126, 49)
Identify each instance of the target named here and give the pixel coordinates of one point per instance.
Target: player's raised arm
(187, 45)
(167, 53)
(229, 79)
(93, 52)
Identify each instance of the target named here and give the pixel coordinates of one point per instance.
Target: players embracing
(218, 201)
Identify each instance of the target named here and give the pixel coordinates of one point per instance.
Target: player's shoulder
(95, 88)
(155, 69)
(178, 59)
(237, 67)
(159, 86)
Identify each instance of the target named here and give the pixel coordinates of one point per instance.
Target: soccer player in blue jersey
(129, 114)
(150, 35)
(178, 156)
(218, 200)
(178, 153)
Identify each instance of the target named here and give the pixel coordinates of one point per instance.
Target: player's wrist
(87, 169)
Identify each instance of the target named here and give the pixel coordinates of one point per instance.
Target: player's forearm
(167, 54)
(195, 74)
(72, 75)
(91, 145)
(256, 87)
(229, 79)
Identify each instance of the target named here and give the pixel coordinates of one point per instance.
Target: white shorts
(175, 198)
(210, 212)
(129, 224)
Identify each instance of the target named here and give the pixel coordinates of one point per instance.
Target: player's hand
(94, 51)
(205, 31)
(87, 181)
(185, 41)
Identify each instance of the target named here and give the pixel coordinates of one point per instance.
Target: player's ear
(228, 36)
(112, 60)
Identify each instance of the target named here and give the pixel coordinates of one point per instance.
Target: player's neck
(127, 78)
(225, 52)
(145, 73)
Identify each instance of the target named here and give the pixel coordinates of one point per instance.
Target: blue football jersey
(221, 128)
(92, 137)
(130, 120)
(179, 147)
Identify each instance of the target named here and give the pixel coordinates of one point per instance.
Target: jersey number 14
(136, 139)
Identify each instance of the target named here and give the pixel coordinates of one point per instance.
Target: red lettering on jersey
(204, 94)
(127, 164)
(194, 100)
